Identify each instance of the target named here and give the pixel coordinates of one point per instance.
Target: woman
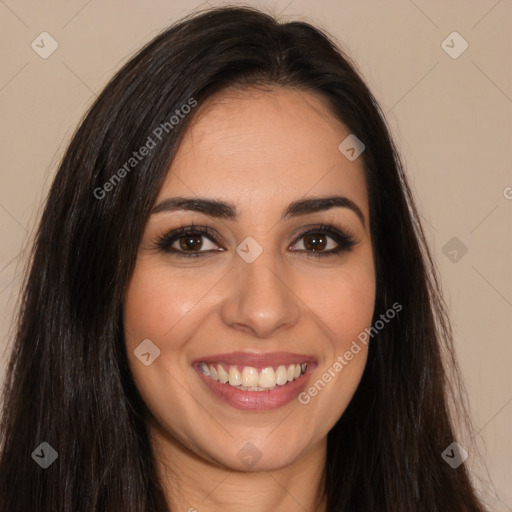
(230, 303)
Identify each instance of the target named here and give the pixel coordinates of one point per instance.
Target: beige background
(452, 120)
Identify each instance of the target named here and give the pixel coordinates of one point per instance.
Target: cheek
(345, 305)
(351, 311)
(339, 305)
(165, 306)
(160, 306)
(344, 301)
(158, 300)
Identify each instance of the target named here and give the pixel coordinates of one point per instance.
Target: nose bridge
(260, 299)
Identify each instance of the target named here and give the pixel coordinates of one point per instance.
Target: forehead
(264, 148)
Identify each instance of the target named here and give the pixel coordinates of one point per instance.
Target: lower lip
(256, 400)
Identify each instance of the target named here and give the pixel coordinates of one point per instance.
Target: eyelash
(345, 240)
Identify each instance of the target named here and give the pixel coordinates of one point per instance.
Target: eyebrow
(225, 210)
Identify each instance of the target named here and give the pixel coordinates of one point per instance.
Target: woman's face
(255, 301)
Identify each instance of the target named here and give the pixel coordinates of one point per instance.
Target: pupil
(315, 242)
(190, 242)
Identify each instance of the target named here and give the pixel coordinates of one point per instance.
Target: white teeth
(234, 376)
(252, 379)
(267, 378)
(223, 374)
(205, 369)
(291, 372)
(281, 375)
(213, 372)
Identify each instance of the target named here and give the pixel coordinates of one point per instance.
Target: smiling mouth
(248, 378)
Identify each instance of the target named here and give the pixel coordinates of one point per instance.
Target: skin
(260, 150)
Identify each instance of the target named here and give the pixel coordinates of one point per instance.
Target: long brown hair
(68, 382)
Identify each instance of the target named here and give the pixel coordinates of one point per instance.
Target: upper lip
(256, 359)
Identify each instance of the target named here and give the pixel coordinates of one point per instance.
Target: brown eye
(315, 241)
(324, 240)
(189, 242)
(195, 242)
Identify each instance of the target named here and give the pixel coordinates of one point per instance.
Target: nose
(260, 297)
